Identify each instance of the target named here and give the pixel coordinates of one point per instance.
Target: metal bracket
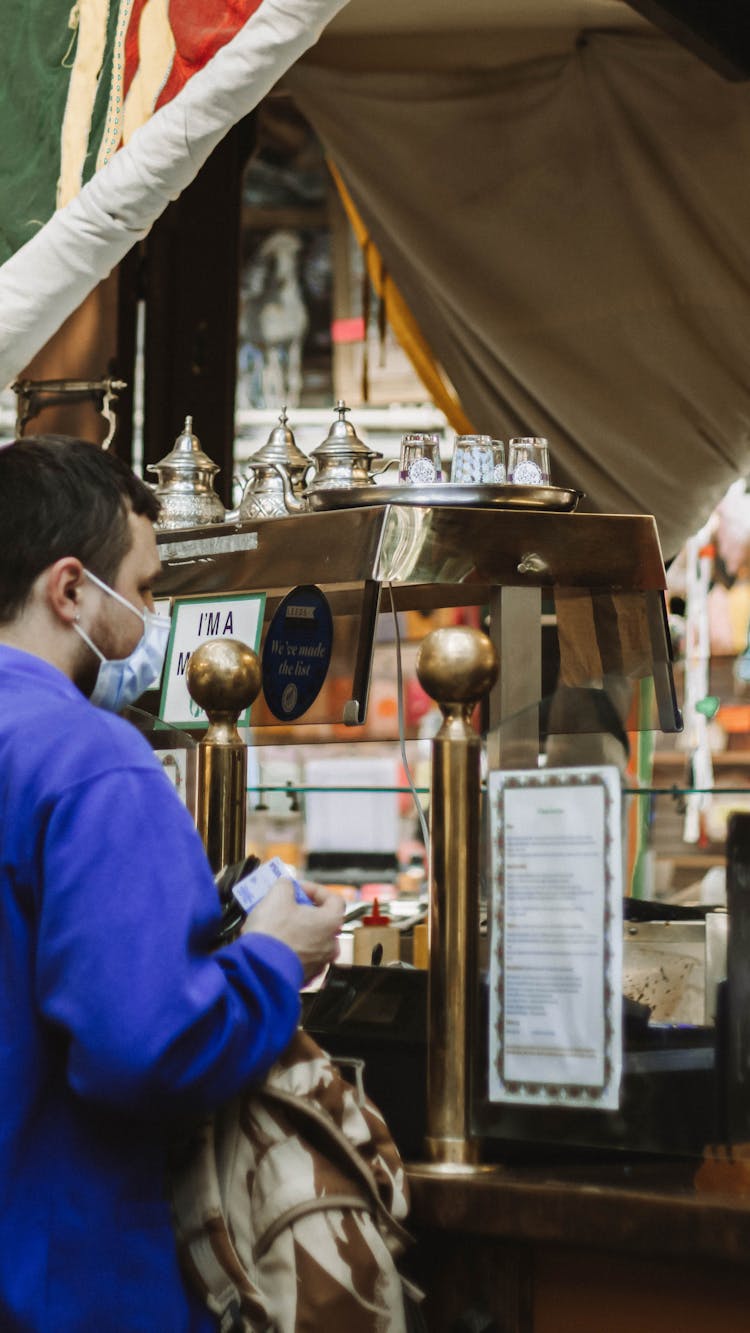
(34, 395)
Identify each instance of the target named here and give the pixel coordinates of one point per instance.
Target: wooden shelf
(723, 759)
(694, 860)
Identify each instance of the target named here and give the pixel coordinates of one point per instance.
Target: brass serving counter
(409, 545)
(605, 573)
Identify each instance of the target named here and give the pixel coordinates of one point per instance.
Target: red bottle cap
(376, 917)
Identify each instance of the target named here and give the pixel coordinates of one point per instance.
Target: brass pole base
(449, 1148)
(451, 1157)
(448, 1170)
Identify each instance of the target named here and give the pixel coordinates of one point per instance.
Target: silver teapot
(185, 486)
(277, 477)
(343, 460)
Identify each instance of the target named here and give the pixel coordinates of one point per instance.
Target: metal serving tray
(555, 499)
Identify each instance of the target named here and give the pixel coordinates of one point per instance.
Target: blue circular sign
(297, 652)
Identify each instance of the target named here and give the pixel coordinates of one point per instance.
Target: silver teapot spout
(378, 471)
(294, 504)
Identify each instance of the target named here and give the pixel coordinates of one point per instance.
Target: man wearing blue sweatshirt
(118, 1018)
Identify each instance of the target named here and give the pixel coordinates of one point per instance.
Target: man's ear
(61, 586)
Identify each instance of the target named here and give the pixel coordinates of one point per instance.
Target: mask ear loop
(117, 596)
(88, 641)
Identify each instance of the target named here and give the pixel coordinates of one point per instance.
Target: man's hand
(310, 931)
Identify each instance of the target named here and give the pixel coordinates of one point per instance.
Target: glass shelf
(301, 789)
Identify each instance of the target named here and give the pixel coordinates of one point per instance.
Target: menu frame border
(574, 1095)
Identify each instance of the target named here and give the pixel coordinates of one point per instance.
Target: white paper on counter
(555, 1030)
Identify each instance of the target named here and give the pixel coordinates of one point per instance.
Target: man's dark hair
(61, 496)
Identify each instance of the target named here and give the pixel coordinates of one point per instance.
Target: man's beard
(86, 671)
(87, 665)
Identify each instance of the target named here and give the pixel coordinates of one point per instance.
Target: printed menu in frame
(555, 1030)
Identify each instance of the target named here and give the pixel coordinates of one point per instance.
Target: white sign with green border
(193, 623)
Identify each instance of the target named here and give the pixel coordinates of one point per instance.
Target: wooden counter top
(642, 1209)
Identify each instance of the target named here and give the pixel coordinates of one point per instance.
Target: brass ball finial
(457, 665)
(223, 676)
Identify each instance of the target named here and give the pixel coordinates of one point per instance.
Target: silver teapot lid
(186, 457)
(281, 447)
(342, 440)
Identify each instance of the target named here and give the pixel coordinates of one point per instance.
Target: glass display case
(574, 604)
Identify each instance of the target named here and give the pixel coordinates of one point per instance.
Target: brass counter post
(456, 667)
(223, 678)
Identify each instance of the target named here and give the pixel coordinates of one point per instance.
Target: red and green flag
(109, 108)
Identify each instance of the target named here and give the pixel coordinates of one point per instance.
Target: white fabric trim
(49, 277)
(156, 47)
(113, 124)
(92, 18)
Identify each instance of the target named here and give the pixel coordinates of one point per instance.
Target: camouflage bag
(288, 1206)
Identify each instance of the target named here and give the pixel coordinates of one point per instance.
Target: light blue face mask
(123, 680)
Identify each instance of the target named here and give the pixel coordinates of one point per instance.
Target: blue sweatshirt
(116, 1018)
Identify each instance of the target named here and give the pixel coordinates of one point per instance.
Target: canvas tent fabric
(572, 235)
(214, 81)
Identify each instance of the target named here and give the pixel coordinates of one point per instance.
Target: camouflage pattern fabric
(288, 1206)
